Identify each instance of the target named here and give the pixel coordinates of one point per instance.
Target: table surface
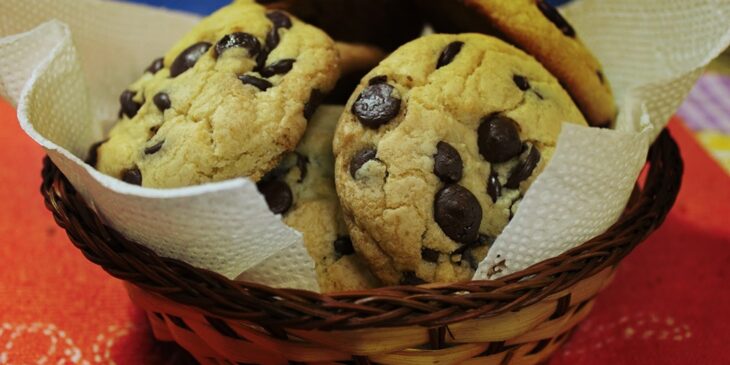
(667, 304)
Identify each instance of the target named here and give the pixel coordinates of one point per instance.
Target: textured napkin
(66, 88)
(65, 76)
(652, 52)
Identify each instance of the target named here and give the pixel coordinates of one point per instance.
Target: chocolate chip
(521, 82)
(154, 149)
(601, 77)
(447, 163)
(272, 40)
(360, 158)
(129, 106)
(376, 105)
(278, 68)
(302, 162)
(93, 156)
(499, 139)
(187, 58)
(554, 16)
(458, 212)
(132, 176)
(493, 188)
(410, 278)
(153, 131)
(524, 169)
(155, 66)
(259, 83)
(430, 255)
(343, 246)
(484, 240)
(279, 19)
(449, 53)
(378, 80)
(315, 99)
(278, 195)
(238, 39)
(162, 101)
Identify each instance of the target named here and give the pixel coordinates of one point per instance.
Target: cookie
(437, 147)
(302, 189)
(228, 100)
(539, 29)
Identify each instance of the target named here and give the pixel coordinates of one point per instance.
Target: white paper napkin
(66, 89)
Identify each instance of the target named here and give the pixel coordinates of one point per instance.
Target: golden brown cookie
(302, 190)
(436, 148)
(228, 100)
(540, 30)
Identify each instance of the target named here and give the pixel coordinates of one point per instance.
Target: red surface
(667, 305)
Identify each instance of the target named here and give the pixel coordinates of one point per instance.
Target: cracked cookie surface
(302, 189)
(539, 29)
(436, 148)
(228, 100)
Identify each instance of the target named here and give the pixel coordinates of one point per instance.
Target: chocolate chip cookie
(436, 148)
(539, 29)
(302, 189)
(228, 100)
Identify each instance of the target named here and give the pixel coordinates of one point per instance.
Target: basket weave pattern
(519, 319)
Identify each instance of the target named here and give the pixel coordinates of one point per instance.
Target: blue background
(208, 6)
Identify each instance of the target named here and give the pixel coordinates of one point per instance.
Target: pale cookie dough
(436, 148)
(228, 100)
(539, 29)
(302, 189)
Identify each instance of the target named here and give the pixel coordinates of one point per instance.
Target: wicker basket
(519, 319)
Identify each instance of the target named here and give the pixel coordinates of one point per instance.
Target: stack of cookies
(413, 178)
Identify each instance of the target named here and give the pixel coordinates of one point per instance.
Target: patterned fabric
(58, 308)
(707, 111)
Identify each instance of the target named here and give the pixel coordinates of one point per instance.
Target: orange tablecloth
(668, 304)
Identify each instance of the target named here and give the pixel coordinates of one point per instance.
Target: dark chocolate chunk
(279, 67)
(187, 58)
(554, 16)
(458, 212)
(278, 195)
(259, 83)
(151, 150)
(155, 66)
(447, 163)
(524, 169)
(302, 162)
(498, 138)
(153, 131)
(343, 246)
(132, 176)
(238, 39)
(360, 158)
(601, 77)
(493, 188)
(378, 80)
(410, 278)
(449, 53)
(129, 106)
(376, 105)
(315, 99)
(93, 156)
(430, 255)
(521, 82)
(162, 101)
(484, 240)
(279, 19)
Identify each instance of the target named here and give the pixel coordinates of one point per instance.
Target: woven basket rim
(427, 305)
